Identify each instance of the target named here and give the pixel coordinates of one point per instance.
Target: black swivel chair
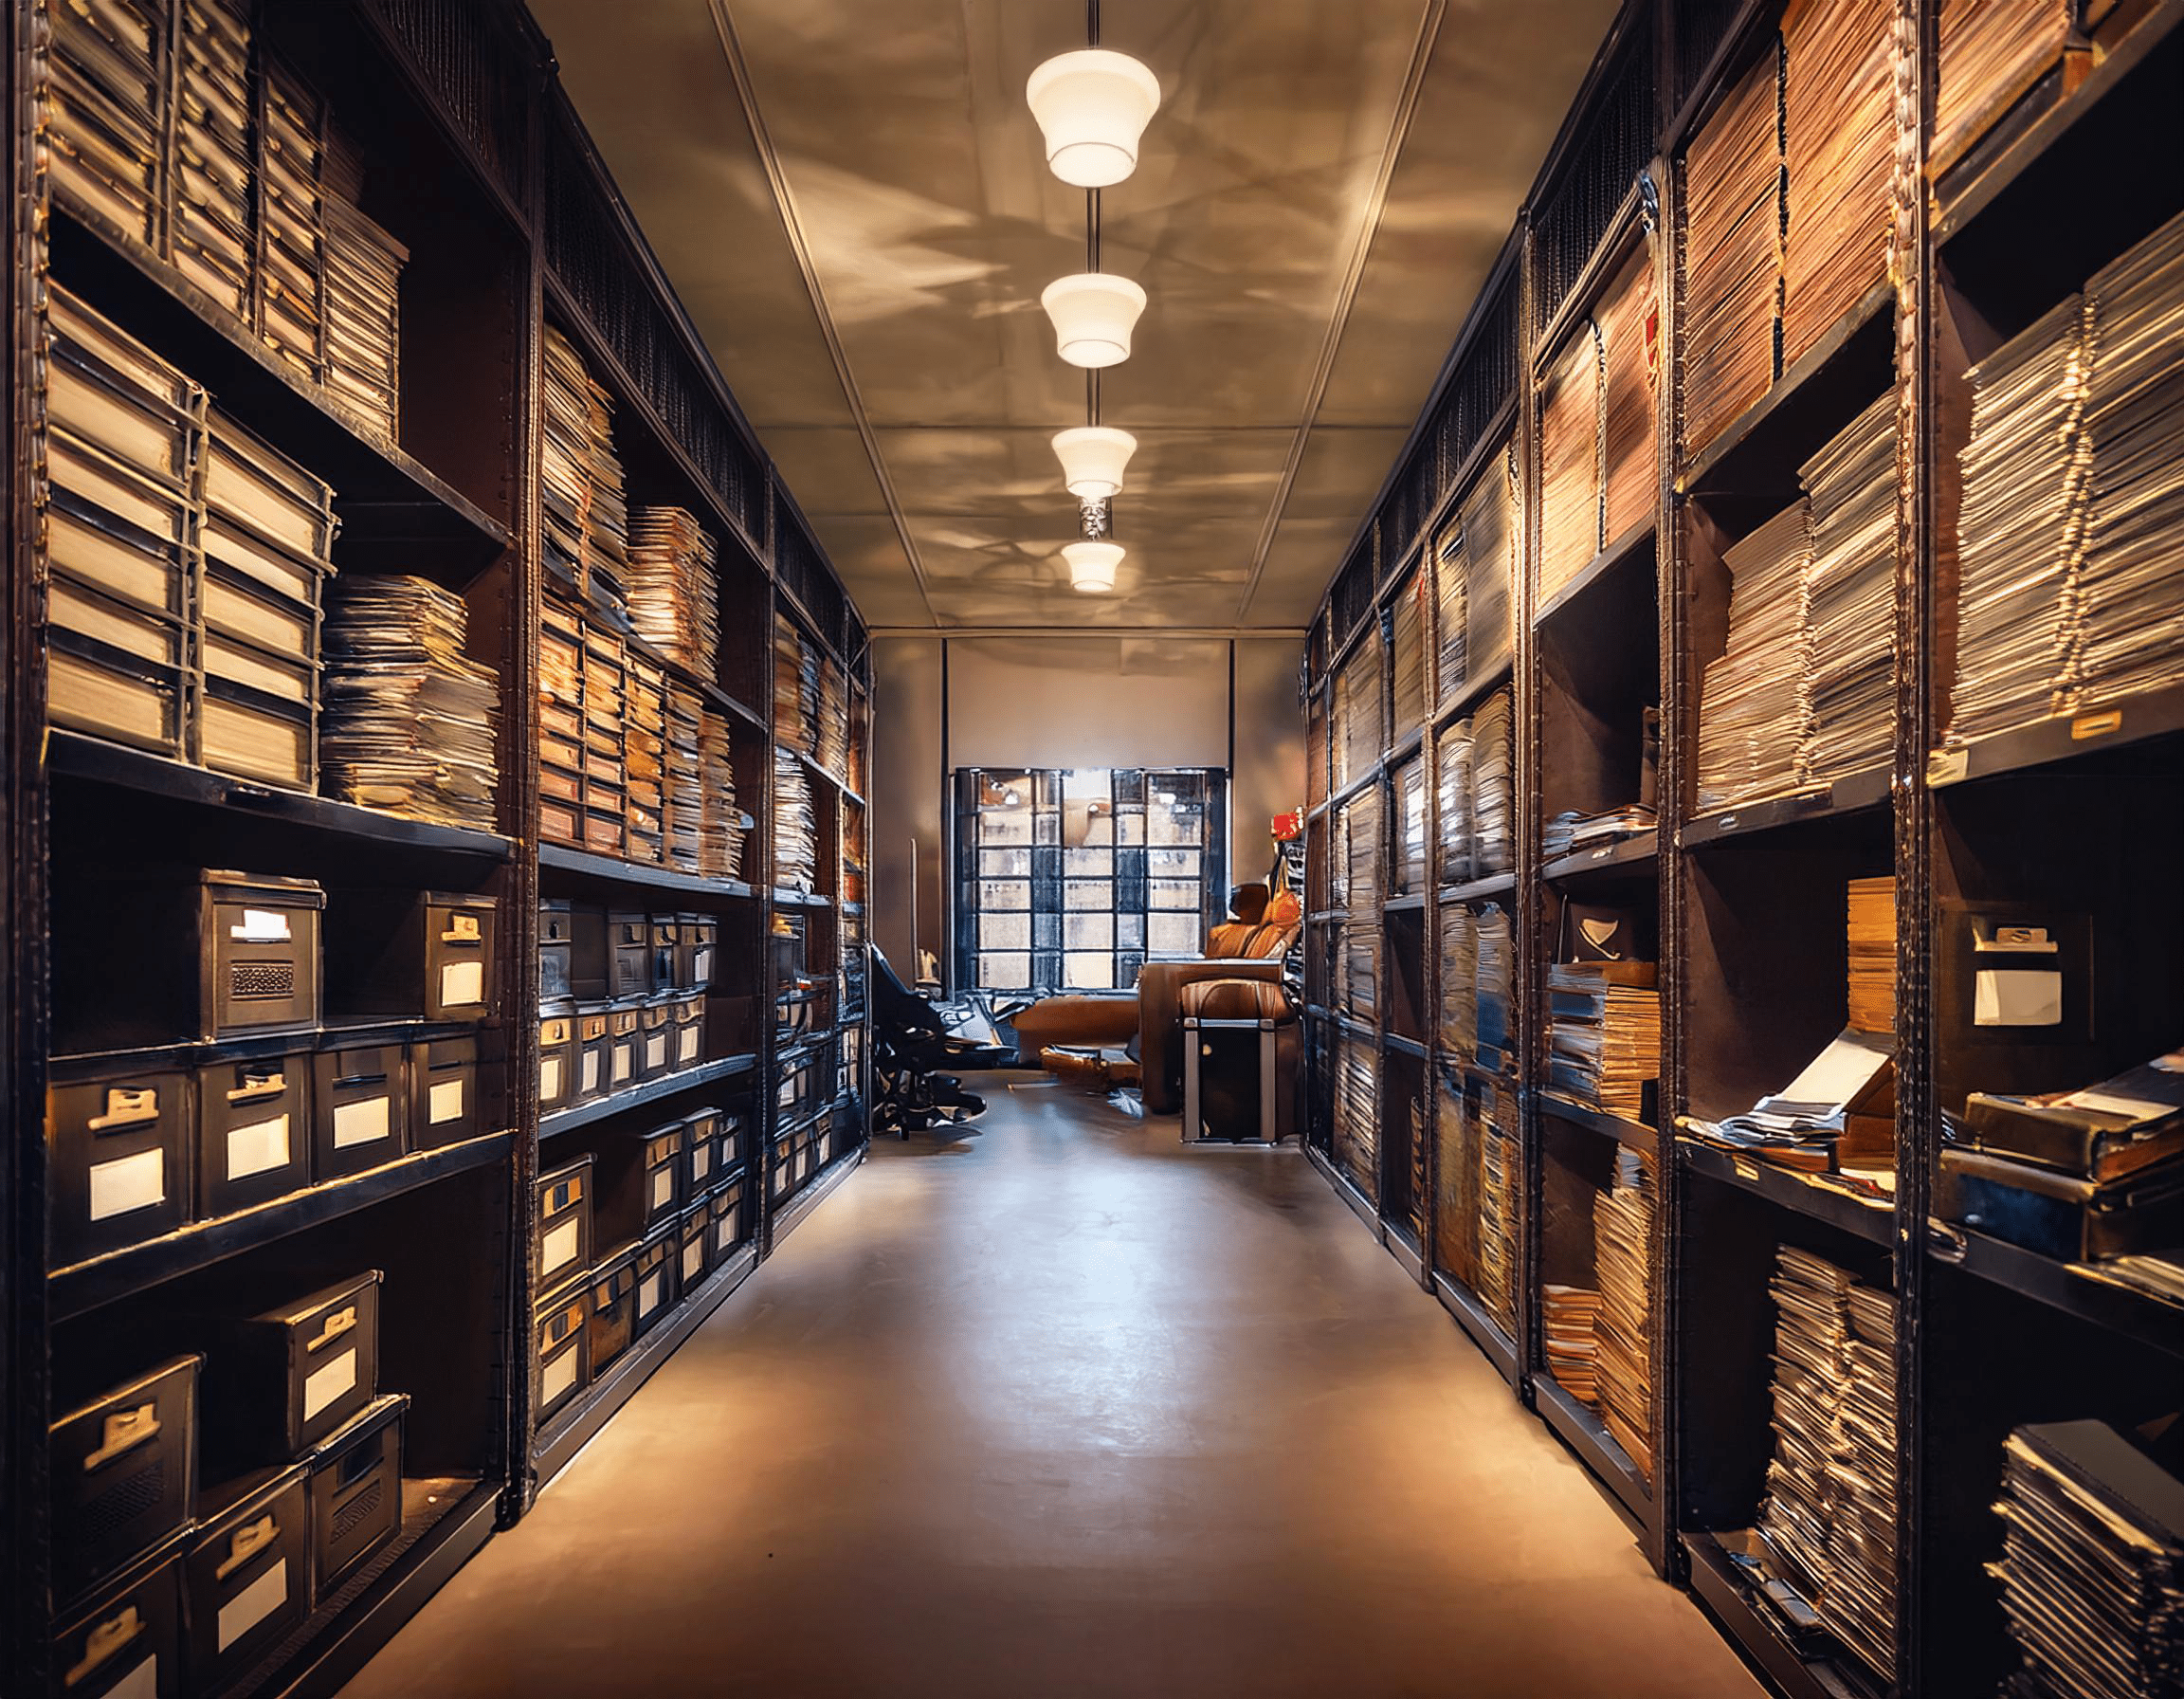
(911, 1045)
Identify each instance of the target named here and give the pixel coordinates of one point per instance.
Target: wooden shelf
(652, 1091)
(580, 867)
(2126, 722)
(1568, 600)
(1635, 1134)
(1792, 1189)
(1850, 796)
(786, 898)
(85, 1287)
(1494, 885)
(2080, 1289)
(1632, 855)
(1407, 1047)
(1410, 903)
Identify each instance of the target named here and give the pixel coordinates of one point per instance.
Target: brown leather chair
(1160, 1020)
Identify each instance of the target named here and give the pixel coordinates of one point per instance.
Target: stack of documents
(1851, 486)
(586, 511)
(1457, 982)
(798, 687)
(211, 234)
(1622, 1240)
(1456, 784)
(1493, 779)
(1361, 967)
(1501, 1174)
(1455, 1180)
(724, 824)
(1858, 1600)
(1497, 990)
(1570, 832)
(1492, 539)
(105, 106)
(1409, 869)
(1842, 1103)
(683, 813)
(1991, 51)
(674, 597)
(1357, 842)
(1569, 440)
(1734, 239)
(1870, 998)
(1629, 320)
(1756, 700)
(1356, 1137)
(363, 293)
(1567, 1316)
(1358, 732)
(409, 723)
(831, 745)
(1838, 99)
(1604, 1029)
(2092, 1569)
(1452, 602)
(292, 224)
(1407, 666)
(795, 826)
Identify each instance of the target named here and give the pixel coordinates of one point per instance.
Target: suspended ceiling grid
(852, 198)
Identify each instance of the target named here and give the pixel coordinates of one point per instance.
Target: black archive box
(359, 1105)
(595, 1052)
(640, 1179)
(694, 1255)
(204, 955)
(402, 954)
(689, 1028)
(656, 1262)
(277, 1383)
(701, 1163)
(124, 1472)
(443, 1091)
(246, 1576)
(557, 1055)
(556, 946)
(624, 1043)
(629, 954)
(697, 941)
(610, 1323)
(730, 1224)
(127, 1643)
(119, 1144)
(656, 1050)
(666, 942)
(564, 1222)
(559, 1363)
(357, 1493)
(253, 1131)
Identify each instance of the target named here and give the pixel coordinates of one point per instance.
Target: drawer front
(693, 1253)
(658, 1259)
(355, 1502)
(121, 1162)
(128, 1645)
(594, 1061)
(123, 1475)
(335, 1360)
(663, 1175)
(564, 1222)
(266, 967)
(253, 1132)
(359, 1110)
(610, 1319)
(458, 961)
(247, 1578)
(556, 1064)
(442, 1092)
(560, 1366)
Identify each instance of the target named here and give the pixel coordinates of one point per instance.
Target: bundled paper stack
(1838, 96)
(1358, 733)
(1756, 699)
(408, 723)
(1452, 601)
(363, 293)
(1734, 240)
(831, 743)
(1407, 666)
(1604, 1035)
(1357, 1133)
(1568, 1317)
(1570, 441)
(674, 597)
(1459, 989)
(1991, 51)
(1493, 779)
(1500, 1172)
(1456, 784)
(1496, 990)
(795, 826)
(1871, 996)
(722, 823)
(685, 841)
(1852, 485)
(586, 520)
(1409, 869)
(1622, 1230)
(1630, 319)
(1456, 1181)
(102, 107)
(211, 232)
(1492, 540)
(1859, 1602)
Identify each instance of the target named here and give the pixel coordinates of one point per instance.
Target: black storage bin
(730, 1226)
(735, 1143)
(124, 1472)
(610, 1323)
(246, 1577)
(702, 1164)
(595, 1052)
(357, 1493)
(694, 1258)
(127, 1643)
(190, 956)
(444, 1092)
(557, 944)
(410, 955)
(628, 953)
(556, 1056)
(359, 1106)
(656, 1050)
(697, 939)
(588, 973)
(667, 948)
(639, 1179)
(625, 1044)
(121, 1142)
(564, 1222)
(279, 1382)
(689, 1030)
(253, 1132)
(656, 1261)
(559, 1364)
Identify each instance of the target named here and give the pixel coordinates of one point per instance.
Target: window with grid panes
(1073, 880)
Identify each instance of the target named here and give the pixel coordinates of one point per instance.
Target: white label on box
(693, 1261)
(550, 1078)
(656, 1050)
(591, 1070)
(687, 1044)
(558, 1377)
(558, 1246)
(701, 964)
(648, 1292)
(2017, 996)
(702, 1160)
(360, 1123)
(141, 1682)
(328, 1382)
(258, 1147)
(256, 1602)
(260, 927)
(663, 1187)
(444, 1100)
(462, 982)
(625, 1056)
(128, 1183)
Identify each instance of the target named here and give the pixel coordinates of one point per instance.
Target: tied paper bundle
(1838, 94)
(1734, 222)
(1459, 987)
(1568, 1317)
(1456, 784)
(1493, 777)
(795, 824)
(1500, 1163)
(1569, 439)
(1990, 52)
(1754, 700)
(409, 724)
(1622, 1229)
(1604, 1035)
(1851, 486)
(1358, 729)
(1495, 988)
(1356, 1136)
(674, 601)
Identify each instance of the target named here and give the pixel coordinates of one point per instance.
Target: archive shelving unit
(1742, 908)
(477, 163)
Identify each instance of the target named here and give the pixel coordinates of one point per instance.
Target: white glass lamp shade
(1092, 565)
(1094, 313)
(1092, 106)
(1092, 458)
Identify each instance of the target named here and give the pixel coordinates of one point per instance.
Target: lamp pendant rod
(1092, 23)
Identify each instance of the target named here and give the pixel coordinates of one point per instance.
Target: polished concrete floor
(1063, 1411)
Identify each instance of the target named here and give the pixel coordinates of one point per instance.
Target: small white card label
(655, 1050)
(648, 1292)
(443, 1102)
(258, 1147)
(128, 1183)
(625, 1062)
(262, 926)
(687, 1044)
(256, 1602)
(328, 1382)
(558, 1377)
(663, 1187)
(2009, 997)
(591, 1070)
(360, 1123)
(462, 982)
(550, 1078)
(141, 1682)
(557, 1247)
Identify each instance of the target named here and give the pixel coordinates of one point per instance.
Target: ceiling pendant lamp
(1093, 313)
(1092, 458)
(1092, 106)
(1092, 566)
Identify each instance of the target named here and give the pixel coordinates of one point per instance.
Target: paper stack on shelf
(1358, 729)
(1407, 666)
(212, 159)
(1361, 968)
(674, 597)
(2130, 600)
(105, 108)
(291, 223)
(1501, 1173)
(1859, 1601)
(1851, 486)
(2092, 1567)
(606, 511)
(684, 820)
(408, 722)
(1990, 52)
(1358, 836)
(1604, 1031)
(1568, 1317)
(1410, 870)
(1455, 1181)
(645, 761)
(1871, 943)
(1755, 700)
(2019, 527)
(561, 725)
(1497, 985)
(1839, 1111)
(1622, 1233)
(1630, 319)
(1570, 832)
(831, 742)
(1491, 549)
(363, 293)
(795, 826)
(1455, 784)
(1492, 778)
(723, 824)
(1459, 982)
(799, 688)
(1452, 599)
(1733, 248)
(1570, 448)
(1838, 99)
(564, 491)
(1356, 1132)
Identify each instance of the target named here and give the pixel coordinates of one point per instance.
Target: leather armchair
(1160, 1020)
